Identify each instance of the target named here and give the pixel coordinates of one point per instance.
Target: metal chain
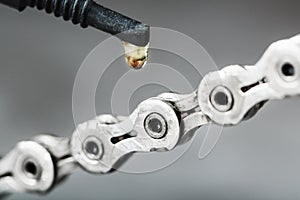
(224, 97)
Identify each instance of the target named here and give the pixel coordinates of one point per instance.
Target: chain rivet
(155, 125)
(93, 148)
(221, 99)
(31, 169)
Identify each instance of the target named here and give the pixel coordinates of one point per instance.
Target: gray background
(40, 56)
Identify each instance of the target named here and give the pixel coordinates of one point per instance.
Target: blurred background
(40, 56)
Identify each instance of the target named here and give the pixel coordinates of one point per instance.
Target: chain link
(224, 97)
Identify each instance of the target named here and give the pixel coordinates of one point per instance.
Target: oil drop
(135, 56)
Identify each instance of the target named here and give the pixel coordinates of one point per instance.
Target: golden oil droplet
(135, 56)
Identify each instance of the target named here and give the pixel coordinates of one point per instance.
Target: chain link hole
(288, 69)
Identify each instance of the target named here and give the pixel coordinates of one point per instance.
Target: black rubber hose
(89, 13)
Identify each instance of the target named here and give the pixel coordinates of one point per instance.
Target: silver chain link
(224, 97)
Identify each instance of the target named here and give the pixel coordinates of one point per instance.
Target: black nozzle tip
(121, 26)
(139, 35)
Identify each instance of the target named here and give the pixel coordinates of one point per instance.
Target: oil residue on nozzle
(135, 56)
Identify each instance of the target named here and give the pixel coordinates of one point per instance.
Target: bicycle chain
(224, 97)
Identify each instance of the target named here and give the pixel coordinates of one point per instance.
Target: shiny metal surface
(99, 144)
